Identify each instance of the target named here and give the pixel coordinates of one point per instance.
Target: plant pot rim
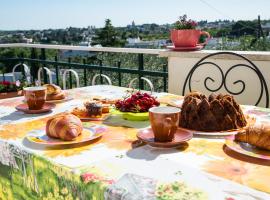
(11, 92)
(4, 95)
(185, 29)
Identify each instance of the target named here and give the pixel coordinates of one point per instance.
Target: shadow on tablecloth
(19, 116)
(245, 158)
(32, 145)
(151, 153)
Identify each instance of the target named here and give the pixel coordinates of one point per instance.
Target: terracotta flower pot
(188, 37)
(6, 95)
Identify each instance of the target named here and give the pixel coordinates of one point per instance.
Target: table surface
(118, 161)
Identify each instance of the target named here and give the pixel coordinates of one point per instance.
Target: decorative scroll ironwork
(224, 77)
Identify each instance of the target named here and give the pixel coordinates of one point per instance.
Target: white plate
(213, 133)
(250, 121)
(60, 100)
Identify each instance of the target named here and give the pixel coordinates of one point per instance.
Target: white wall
(179, 67)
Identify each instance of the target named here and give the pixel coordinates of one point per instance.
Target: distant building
(70, 53)
(266, 27)
(133, 40)
(85, 43)
(138, 43)
(27, 40)
(216, 43)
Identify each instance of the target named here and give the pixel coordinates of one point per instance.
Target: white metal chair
(145, 79)
(49, 72)
(101, 75)
(75, 74)
(26, 71)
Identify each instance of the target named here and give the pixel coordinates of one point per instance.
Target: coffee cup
(35, 97)
(164, 121)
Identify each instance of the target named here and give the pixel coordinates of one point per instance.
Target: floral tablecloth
(117, 166)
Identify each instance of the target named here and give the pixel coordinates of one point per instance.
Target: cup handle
(207, 39)
(168, 125)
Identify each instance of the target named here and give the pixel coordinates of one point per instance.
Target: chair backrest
(145, 79)
(225, 73)
(101, 75)
(75, 74)
(49, 72)
(26, 71)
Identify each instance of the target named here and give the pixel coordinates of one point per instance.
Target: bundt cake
(213, 113)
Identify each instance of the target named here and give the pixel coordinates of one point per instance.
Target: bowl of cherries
(135, 106)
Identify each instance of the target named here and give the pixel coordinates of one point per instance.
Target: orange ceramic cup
(188, 38)
(35, 97)
(164, 122)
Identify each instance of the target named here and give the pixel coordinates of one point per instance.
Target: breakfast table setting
(109, 142)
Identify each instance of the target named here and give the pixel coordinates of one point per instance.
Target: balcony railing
(136, 68)
(167, 70)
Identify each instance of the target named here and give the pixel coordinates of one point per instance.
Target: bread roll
(52, 89)
(59, 96)
(257, 135)
(66, 127)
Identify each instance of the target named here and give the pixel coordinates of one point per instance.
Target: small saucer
(198, 47)
(47, 107)
(146, 135)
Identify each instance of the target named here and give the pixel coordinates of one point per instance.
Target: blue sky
(41, 14)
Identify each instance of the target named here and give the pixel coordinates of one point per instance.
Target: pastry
(105, 101)
(52, 89)
(54, 92)
(93, 109)
(59, 96)
(213, 113)
(105, 108)
(65, 127)
(257, 135)
(80, 112)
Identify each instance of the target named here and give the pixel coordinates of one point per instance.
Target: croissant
(54, 92)
(257, 135)
(58, 96)
(52, 88)
(66, 127)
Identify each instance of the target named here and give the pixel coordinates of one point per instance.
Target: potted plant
(185, 34)
(11, 89)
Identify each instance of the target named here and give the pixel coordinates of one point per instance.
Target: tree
(108, 36)
(241, 28)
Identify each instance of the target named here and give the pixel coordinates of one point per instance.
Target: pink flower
(18, 83)
(229, 198)
(193, 23)
(89, 177)
(110, 181)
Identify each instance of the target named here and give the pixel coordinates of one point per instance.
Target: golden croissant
(257, 135)
(54, 92)
(66, 127)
